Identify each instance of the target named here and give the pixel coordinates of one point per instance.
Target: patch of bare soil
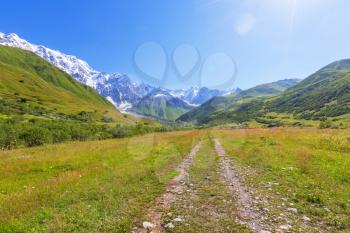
(175, 187)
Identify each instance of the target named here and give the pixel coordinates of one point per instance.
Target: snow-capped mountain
(79, 69)
(121, 90)
(197, 95)
(116, 87)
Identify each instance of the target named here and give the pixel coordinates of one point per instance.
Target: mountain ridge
(207, 111)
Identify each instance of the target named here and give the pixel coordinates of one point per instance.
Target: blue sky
(266, 39)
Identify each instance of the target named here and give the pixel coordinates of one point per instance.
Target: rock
(285, 227)
(178, 219)
(266, 210)
(169, 225)
(293, 210)
(147, 225)
(264, 231)
(306, 219)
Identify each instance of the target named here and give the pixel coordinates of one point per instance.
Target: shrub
(8, 137)
(120, 132)
(80, 134)
(36, 136)
(107, 119)
(60, 136)
(325, 124)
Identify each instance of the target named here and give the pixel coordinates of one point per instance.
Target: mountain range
(207, 112)
(324, 94)
(118, 88)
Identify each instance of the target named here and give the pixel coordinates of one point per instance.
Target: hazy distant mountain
(198, 95)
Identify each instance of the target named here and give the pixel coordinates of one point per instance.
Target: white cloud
(244, 24)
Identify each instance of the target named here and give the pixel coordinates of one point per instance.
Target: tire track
(249, 213)
(175, 187)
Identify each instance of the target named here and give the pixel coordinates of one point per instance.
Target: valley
(88, 151)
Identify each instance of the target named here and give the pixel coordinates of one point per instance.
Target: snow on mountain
(197, 95)
(118, 88)
(121, 89)
(79, 69)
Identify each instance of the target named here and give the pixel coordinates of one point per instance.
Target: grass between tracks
(206, 205)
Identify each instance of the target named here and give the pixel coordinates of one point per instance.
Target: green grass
(107, 186)
(100, 186)
(310, 166)
(160, 109)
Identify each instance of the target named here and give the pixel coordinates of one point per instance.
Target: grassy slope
(160, 108)
(311, 168)
(325, 93)
(100, 186)
(24, 75)
(268, 88)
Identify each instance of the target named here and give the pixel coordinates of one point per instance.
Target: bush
(60, 136)
(18, 131)
(120, 132)
(107, 119)
(36, 136)
(8, 138)
(80, 134)
(325, 124)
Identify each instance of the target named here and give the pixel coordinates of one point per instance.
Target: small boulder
(147, 225)
(178, 219)
(169, 225)
(293, 210)
(285, 227)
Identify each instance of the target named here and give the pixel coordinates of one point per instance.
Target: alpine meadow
(224, 116)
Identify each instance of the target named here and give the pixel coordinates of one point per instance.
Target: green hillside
(30, 85)
(325, 93)
(268, 88)
(220, 109)
(160, 104)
